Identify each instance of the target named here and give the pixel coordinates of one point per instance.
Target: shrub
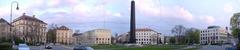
(5, 46)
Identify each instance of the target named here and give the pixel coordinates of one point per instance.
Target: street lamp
(17, 8)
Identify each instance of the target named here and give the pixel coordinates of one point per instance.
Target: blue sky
(160, 15)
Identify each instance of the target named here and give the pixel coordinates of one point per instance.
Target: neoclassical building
(5, 29)
(30, 29)
(144, 36)
(64, 35)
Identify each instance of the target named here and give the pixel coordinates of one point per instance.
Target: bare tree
(179, 32)
(51, 34)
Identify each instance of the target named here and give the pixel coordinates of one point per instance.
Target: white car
(23, 47)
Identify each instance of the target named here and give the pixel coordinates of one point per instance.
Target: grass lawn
(106, 46)
(150, 47)
(192, 49)
(145, 49)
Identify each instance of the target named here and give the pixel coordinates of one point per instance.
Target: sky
(159, 15)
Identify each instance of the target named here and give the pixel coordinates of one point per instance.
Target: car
(23, 47)
(38, 44)
(48, 47)
(79, 47)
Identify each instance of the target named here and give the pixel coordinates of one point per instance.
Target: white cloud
(153, 8)
(228, 7)
(3, 12)
(117, 14)
(208, 19)
(53, 2)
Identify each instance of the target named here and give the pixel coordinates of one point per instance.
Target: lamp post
(17, 8)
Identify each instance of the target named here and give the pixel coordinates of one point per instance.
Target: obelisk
(132, 24)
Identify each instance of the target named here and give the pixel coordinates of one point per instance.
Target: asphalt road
(54, 48)
(214, 47)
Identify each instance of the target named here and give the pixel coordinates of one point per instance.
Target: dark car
(48, 47)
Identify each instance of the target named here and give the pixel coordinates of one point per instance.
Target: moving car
(23, 47)
(48, 47)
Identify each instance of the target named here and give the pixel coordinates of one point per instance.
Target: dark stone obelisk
(132, 24)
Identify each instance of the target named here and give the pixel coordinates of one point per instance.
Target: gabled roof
(29, 18)
(4, 21)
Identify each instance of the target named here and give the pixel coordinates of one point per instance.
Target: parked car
(23, 47)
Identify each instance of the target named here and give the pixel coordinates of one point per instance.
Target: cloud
(117, 14)
(208, 19)
(53, 2)
(228, 7)
(3, 12)
(153, 8)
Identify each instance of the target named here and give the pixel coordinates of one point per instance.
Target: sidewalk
(69, 47)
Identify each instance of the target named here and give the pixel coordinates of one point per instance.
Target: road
(54, 48)
(214, 47)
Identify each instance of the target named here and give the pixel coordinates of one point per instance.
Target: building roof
(63, 28)
(144, 29)
(4, 21)
(77, 34)
(210, 27)
(30, 18)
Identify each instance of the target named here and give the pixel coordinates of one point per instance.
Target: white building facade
(146, 36)
(214, 35)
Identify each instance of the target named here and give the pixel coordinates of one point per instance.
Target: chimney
(33, 16)
(24, 14)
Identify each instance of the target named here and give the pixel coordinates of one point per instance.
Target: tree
(235, 29)
(193, 35)
(234, 20)
(179, 32)
(234, 23)
(51, 36)
(235, 32)
(172, 40)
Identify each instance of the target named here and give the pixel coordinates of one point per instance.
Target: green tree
(235, 32)
(172, 40)
(18, 40)
(235, 29)
(234, 23)
(193, 35)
